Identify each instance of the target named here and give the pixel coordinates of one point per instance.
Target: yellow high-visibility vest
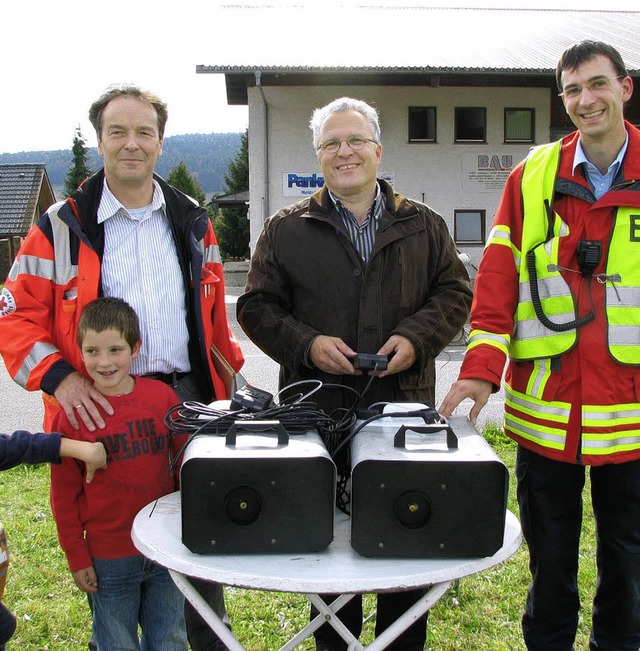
(542, 233)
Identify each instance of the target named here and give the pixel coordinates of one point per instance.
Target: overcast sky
(57, 57)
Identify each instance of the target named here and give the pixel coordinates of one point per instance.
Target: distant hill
(206, 156)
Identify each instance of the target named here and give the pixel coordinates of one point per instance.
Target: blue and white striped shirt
(140, 265)
(362, 235)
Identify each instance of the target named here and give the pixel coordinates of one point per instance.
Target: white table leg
(424, 603)
(205, 611)
(326, 615)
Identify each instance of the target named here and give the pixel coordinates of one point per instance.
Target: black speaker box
(426, 491)
(257, 492)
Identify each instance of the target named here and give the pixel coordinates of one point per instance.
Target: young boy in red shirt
(94, 521)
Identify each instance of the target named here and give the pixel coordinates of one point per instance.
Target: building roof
(410, 40)
(25, 192)
(230, 200)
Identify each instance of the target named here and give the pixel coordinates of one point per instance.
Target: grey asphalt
(22, 409)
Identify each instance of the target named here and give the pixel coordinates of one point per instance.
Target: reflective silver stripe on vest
(625, 297)
(499, 233)
(622, 295)
(533, 329)
(36, 355)
(624, 335)
(60, 270)
(64, 271)
(597, 421)
(539, 377)
(552, 287)
(557, 411)
(545, 436)
(212, 254)
(597, 444)
(502, 237)
(31, 265)
(612, 415)
(476, 337)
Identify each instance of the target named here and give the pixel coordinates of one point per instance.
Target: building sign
(486, 172)
(301, 184)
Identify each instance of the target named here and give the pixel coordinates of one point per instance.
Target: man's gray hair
(341, 105)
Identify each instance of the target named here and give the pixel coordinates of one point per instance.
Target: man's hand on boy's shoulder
(78, 397)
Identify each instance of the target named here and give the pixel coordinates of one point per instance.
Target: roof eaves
(202, 69)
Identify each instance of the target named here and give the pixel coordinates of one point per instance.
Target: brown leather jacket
(307, 279)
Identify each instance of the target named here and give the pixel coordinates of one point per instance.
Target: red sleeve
(67, 487)
(496, 287)
(27, 307)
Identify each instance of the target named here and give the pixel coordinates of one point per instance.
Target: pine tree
(179, 177)
(79, 169)
(232, 225)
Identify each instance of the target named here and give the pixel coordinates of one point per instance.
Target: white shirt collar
(110, 205)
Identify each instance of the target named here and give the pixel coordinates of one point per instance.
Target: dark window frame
(457, 138)
(483, 226)
(428, 140)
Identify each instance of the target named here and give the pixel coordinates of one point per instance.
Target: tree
(232, 225)
(180, 178)
(79, 169)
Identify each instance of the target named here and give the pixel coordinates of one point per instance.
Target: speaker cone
(243, 505)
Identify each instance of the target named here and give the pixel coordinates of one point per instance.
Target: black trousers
(390, 606)
(550, 499)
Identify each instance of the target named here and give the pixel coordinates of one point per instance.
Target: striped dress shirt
(362, 235)
(140, 265)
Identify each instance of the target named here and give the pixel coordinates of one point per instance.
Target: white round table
(338, 569)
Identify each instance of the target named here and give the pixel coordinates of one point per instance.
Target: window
(519, 125)
(422, 124)
(470, 124)
(469, 226)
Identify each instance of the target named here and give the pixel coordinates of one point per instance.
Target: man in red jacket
(558, 292)
(124, 233)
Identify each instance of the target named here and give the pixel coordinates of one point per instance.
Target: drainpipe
(265, 140)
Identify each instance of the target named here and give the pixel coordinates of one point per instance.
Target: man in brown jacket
(356, 268)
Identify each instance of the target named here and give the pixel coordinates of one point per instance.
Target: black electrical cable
(537, 303)
(295, 413)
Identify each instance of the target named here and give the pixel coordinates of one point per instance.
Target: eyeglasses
(355, 143)
(596, 85)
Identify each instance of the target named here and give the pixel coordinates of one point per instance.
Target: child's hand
(86, 579)
(96, 460)
(93, 454)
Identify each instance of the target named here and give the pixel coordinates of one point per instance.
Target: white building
(462, 95)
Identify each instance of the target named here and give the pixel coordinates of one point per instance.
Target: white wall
(443, 174)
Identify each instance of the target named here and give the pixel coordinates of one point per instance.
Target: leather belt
(167, 378)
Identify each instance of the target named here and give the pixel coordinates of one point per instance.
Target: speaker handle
(257, 426)
(400, 437)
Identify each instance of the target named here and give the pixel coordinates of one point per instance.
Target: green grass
(481, 613)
